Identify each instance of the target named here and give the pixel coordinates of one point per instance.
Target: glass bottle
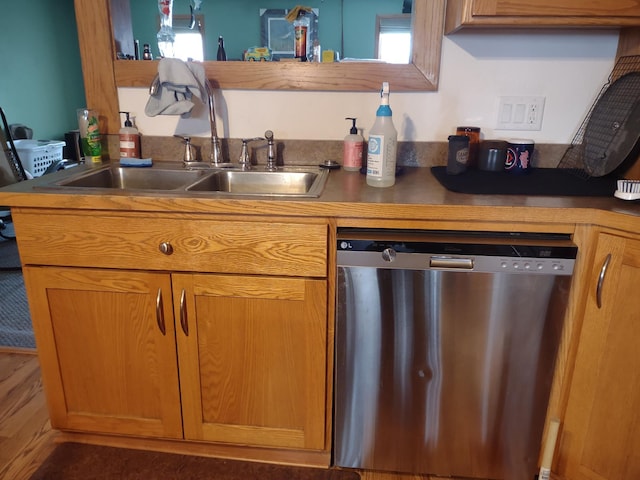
(222, 55)
(166, 36)
(90, 138)
(146, 52)
(301, 29)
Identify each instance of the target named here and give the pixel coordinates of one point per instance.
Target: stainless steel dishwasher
(445, 349)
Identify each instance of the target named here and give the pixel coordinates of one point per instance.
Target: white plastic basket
(37, 155)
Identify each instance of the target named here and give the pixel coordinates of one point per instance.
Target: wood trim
(103, 74)
(97, 48)
(288, 75)
(573, 10)
(629, 42)
(309, 458)
(421, 75)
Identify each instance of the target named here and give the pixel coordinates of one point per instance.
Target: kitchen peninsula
(124, 296)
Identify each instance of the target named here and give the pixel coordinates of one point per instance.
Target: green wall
(41, 83)
(238, 21)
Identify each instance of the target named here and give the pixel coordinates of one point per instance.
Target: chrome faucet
(189, 158)
(271, 154)
(215, 157)
(245, 160)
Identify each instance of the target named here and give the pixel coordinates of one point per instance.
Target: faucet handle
(271, 154)
(189, 150)
(244, 160)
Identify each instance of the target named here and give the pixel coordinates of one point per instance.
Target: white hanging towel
(179, 82)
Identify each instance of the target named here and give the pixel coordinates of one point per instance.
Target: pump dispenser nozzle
(384, 110)
(354, 129)
(127, 122)
(384, 93)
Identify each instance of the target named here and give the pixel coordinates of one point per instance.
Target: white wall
(567, 67)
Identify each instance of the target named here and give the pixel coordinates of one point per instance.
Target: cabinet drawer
(267, 247)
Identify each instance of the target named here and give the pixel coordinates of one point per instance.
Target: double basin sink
(293, 181)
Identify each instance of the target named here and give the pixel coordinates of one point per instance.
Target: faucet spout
(215, 157)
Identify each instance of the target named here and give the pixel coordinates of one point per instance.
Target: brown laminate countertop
(416, 197)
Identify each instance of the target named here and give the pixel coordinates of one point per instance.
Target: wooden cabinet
(540, 13)
(600, 437)
(137, 337)
(252, 353)
(106, 365)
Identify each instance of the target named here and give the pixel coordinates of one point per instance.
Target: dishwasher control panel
(536, 265)
(459, 253)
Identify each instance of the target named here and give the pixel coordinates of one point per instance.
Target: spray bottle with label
(383, 143)
(129, 139)
(353, 148)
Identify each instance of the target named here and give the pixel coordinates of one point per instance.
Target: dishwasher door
(446, 370)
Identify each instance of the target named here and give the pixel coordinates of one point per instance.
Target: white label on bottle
(375, 156)
(129, 145)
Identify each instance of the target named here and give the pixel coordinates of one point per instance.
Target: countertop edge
(416, 198)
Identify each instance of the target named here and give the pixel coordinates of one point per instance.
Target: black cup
(73, 147)
(458, 155)
(493, 154)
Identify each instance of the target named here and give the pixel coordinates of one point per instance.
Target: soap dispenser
(353, 148)
(129, 139)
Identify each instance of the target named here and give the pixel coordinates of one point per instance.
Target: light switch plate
(520, 113)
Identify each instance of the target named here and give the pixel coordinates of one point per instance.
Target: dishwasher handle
(451, 262)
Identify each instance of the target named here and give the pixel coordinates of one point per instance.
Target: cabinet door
(107, 351)
(252, 353)
(601, 432)
(537, 13)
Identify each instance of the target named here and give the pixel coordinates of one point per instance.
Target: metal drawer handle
(166, 248)
(603, 272)
(451, 262)
(160, 313)
(184, 322)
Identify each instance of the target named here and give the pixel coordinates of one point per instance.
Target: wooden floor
(26, 438)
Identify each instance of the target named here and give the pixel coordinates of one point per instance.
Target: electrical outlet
(520, 113)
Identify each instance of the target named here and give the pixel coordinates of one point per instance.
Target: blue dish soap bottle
(383, 145)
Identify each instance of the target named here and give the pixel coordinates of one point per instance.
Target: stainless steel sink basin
(290, 182)
(135, 179)
(294, 181)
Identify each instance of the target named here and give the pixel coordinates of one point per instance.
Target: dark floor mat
(74, 461)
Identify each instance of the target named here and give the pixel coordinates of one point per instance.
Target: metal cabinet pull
(166, 248)
(451, 262)
(603, 272)
(184, 322)
(160, 313)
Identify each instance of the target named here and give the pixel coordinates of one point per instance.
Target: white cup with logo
(519, 155)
